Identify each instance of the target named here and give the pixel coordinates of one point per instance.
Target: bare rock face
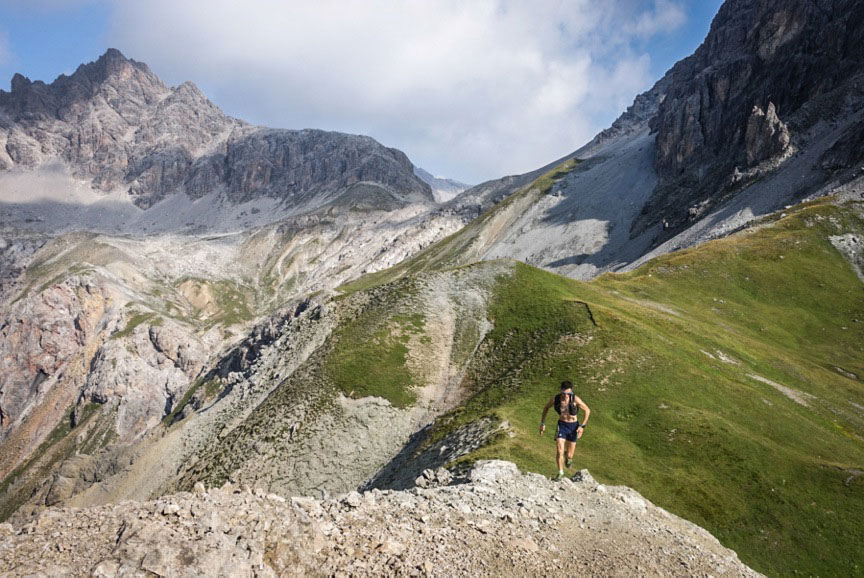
(144, 375)
(298, 163)
(727, 107)
(16, 252)
(847, 151)
(766, 137)
(116, 125)
(643, 109)
(45, 333)
(46, 342)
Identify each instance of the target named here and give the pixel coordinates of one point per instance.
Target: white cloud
(473, 90)
(665, 17)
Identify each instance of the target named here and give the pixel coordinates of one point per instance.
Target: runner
(567, 405)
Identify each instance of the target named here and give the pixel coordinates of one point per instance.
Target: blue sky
(45, 41)
(474, 91)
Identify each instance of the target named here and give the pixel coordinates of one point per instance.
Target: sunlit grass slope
(722, 383)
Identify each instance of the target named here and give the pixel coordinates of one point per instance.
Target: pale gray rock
(851, 246)
(144, 375)
(766, 137)
(584, 477)
(468, 529)
(493, 471)
(115, 124)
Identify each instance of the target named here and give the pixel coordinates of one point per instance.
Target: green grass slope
(722, 382)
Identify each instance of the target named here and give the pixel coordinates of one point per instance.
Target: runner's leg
(559, 457)
(571, 449)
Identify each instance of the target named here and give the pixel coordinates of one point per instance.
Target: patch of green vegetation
(102, 433)
(65, 256)
(531, 310)
(369, 354)
(60, 277)
(545, 182)
(232, 302)
(134, 321)
(178, 407)
(673, 361)
(212, 388)
(411, 322)
(56, 279)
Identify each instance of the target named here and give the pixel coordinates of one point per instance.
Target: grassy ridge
(678, 372)
(719, 379)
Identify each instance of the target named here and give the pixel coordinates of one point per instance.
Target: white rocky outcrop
(145, 375)
(501, 522)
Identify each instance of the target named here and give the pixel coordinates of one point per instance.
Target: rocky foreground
(499, 522)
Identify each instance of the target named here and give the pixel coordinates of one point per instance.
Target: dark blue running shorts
(567, 430)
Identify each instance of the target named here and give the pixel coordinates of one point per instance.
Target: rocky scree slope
(268, 411)
(498, 522)
(112, 332)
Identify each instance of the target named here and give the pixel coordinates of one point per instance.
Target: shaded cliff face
(116, 125)
(768, 71)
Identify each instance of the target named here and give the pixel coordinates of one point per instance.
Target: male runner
(567, 405)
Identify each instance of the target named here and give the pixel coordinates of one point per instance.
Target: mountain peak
(443, 188)
(162, 141)
(191, 90)
(20, 82)
(113, 54)
(112, 67)
(112, 64)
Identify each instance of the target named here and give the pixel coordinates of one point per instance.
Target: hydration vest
(562, 404)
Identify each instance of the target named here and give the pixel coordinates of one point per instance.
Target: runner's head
(565, 385)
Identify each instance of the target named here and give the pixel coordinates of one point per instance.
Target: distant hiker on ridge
(567, 405)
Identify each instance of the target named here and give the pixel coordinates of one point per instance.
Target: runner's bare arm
(545, 411)
(587, 411)
(584, 408)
